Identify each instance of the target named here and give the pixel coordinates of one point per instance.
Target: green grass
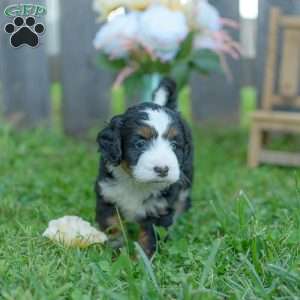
(241, 240)
(248, 105)
(56, 104)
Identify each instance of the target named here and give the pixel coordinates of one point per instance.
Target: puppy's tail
(166, 93)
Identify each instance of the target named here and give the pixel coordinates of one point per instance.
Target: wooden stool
(267, 120)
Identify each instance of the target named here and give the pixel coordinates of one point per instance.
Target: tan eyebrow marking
(171, 133)
(147, 132)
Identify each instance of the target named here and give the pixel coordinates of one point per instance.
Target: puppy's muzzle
(162, 171)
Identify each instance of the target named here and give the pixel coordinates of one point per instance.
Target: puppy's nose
(161, 171)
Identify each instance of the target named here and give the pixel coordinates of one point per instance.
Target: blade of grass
(284, 274)
(255, 275)
(147, 266)
(210, 262)
(123, 231)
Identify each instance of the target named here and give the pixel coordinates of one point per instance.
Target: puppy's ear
(109, 141)
(188, 146)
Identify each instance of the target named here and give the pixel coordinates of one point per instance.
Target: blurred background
(59, 83)
(241, 239)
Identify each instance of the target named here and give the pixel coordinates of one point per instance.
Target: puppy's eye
(174, 145)
(140, 144)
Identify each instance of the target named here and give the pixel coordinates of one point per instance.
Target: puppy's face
(147, 141)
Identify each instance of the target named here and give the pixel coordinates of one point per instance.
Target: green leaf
(110, 64)
(181, 73)
(186, 47)
(133, 83)
(149, 66)
(205, 61)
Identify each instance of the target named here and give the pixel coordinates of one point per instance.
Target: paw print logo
(24, 32)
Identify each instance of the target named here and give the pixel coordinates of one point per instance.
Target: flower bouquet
(142, 40)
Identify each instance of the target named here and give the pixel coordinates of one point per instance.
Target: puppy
(146, 167)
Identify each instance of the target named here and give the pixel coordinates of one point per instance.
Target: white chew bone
(74, 231)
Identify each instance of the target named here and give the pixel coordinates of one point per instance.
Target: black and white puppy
(146, 167)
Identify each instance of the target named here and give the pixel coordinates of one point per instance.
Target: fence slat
(24, 76)
(85, 87)
(216, 98)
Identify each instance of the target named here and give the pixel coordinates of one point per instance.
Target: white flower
(144, 4)
(137, 4)
(208, 21)
(173, 4)
(207, 16)
(162, 31)
(73, 231)
(115, 38)
(104, 7)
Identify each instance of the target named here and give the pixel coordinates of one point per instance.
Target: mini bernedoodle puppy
(146, 167)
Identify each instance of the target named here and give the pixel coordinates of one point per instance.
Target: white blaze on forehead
(159, 120)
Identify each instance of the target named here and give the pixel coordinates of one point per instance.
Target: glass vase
(149, 84)
(142, 91)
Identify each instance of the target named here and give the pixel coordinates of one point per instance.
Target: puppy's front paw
(165, 220)
(147, 240)
(116, 243)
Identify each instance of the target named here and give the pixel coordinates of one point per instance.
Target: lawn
(241, 240)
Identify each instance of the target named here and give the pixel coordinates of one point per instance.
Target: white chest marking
(135, 200)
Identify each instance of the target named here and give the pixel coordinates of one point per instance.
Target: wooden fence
(26, 78)
(25, 73)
